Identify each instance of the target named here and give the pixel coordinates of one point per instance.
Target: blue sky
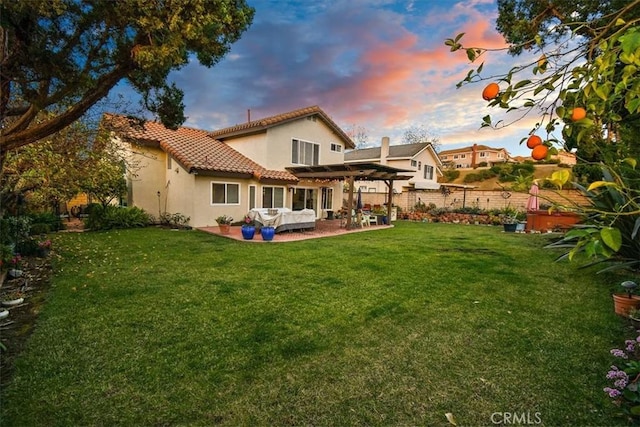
(377, 64)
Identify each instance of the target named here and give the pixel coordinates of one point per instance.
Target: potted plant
(44, 248)
(248, 228)
(224, 223)
(623, 303)
(268, 233)
(509, 222)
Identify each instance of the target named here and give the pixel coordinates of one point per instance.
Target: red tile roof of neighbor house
(262, 125)
(194, 149)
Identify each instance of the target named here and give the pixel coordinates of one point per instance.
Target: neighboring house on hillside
(470, 157)
(203, 174)
(420, 158)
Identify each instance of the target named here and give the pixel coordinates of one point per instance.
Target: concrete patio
(324, 228)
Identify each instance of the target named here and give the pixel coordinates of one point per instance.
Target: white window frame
(273, 204)
(414, 163)
(336, 147)
(327, 198)
(428, 172)
(252, 195)
(299, 149)
(226, 193)
(483, 154)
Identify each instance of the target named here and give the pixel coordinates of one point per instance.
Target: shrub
(472, 177)
(450, 175)
(14, 229)
(39, 228)
(109, 217)
(174, 220)
(27, 247)
(52, 220)
(610, 231)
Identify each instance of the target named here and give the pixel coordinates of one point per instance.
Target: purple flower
(613, 393)
(620, 384)
(619, 353)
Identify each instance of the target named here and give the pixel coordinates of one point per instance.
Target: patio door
(304, 198)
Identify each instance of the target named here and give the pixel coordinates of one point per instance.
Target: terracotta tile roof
(194, 149)
(262, 125)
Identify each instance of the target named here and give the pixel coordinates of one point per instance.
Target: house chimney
(248, 115)
(474, 153)
(384, 150)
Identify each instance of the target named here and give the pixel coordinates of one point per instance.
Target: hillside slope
(541, 172)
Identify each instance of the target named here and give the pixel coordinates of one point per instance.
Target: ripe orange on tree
(578, 113)
(533, 141)
(539, 152)
(490, 91)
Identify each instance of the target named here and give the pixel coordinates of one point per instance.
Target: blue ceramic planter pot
(268, 233)
(248, 232)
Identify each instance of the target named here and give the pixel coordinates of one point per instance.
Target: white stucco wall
(273, 148)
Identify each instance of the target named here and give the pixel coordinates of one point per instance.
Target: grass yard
(391, 327)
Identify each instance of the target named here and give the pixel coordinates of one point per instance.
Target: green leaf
(458, 37)
(612, 238)
(521, 84)
(620, 22)
(630, 41)
(480, 68)
(471, 54)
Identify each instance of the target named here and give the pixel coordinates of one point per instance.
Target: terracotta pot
(224, 228)
(622, 303)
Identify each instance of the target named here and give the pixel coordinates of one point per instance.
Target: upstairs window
(304, 153)
(336, 147)
(428, 172)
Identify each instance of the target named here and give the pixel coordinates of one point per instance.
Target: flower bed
(454, 217)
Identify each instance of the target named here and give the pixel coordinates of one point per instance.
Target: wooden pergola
(351, 172)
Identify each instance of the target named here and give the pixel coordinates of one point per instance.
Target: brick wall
(484, 199)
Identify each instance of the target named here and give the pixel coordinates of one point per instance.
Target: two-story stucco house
(203, 174)
(420, 158)
(473, 156)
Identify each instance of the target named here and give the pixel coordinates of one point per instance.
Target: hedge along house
(203, 174)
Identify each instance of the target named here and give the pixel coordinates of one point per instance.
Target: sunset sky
(377, 64)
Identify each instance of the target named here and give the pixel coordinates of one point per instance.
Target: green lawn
(389, 327)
